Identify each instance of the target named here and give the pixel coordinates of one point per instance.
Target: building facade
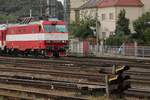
(89, 9)
(74, 5)
(108, 11)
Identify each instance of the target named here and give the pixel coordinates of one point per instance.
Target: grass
(1, 98)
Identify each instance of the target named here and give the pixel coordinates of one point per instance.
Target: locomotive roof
(34, 22)
(25, 24)
(3, 26)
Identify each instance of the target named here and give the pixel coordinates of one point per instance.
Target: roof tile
(90, 4)
(111, 3)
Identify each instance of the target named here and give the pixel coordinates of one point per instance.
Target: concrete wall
(146, 5)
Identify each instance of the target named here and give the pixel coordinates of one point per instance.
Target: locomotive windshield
(55, 28)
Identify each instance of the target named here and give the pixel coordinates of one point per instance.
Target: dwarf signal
(118, 83)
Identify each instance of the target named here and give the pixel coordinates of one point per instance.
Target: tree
(122, 27)
(122, 31)
(82, 29)
(7, 17)
(21, 8)
(147, 36)
(141, 25)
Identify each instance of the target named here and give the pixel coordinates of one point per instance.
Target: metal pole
(107, 86)
(97, 33)
(143, 51)
(41, 5)
(30, 13)
(136, 49)
(114, 69)
(47, 8)
(67, 11)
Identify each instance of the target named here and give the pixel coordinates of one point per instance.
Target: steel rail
(30, 91)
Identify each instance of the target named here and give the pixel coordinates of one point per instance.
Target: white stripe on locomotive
(37, 36)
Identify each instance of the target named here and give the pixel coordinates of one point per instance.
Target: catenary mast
(67, 11)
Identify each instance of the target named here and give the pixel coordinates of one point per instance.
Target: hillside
(10, 9)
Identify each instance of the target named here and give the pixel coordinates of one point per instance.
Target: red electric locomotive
(44, 37)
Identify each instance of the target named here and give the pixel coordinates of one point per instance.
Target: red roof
(90, 4)
(120, 3)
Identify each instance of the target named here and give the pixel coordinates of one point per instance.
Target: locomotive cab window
(49, 28)
(61, 28)
(55, 28)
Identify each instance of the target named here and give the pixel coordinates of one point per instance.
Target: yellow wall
(108, 25)
(146, 5)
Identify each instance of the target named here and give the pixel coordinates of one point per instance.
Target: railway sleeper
(91, 89)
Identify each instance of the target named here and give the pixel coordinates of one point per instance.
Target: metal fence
(139, 51)
(77, 48)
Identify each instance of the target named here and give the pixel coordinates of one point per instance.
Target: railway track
(12, 90)
(73, 70)
(78, 62)
(69, 64)
(52, 84)
(60, 82)
(138, 93)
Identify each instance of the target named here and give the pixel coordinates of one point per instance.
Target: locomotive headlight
(63, 41)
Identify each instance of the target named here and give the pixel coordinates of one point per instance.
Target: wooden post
(114, 69)
(107, 86)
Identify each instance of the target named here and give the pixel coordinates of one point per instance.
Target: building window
(103, 16)
(111, 16)
(111, 33)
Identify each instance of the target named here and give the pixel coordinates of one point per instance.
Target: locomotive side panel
(46, 37)
(24, 37)
(3, 30)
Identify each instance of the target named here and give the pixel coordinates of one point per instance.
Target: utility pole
(67, 11)
(97, 32)
(47, 8)
(30, 13)
(41, 6)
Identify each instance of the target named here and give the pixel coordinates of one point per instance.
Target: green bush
(115, 40)
(7, 17)
(147, 36)
(122, 31)
(82, 29)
